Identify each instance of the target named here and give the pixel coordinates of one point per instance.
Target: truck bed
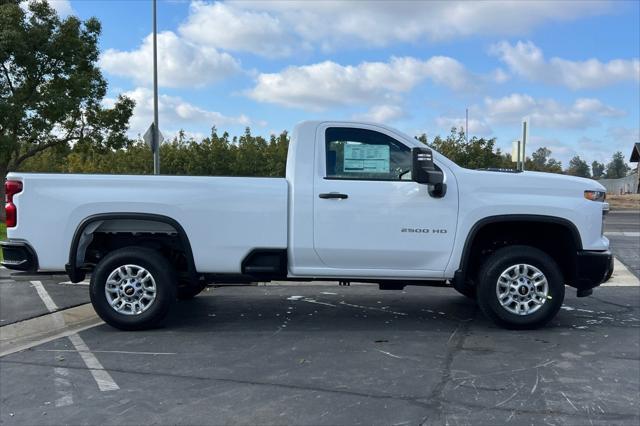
(223, 217)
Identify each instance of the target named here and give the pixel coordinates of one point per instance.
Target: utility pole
(156, 127)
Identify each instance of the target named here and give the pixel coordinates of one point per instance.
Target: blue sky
(571, 67)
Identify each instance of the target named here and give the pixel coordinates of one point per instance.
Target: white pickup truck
(360, 202)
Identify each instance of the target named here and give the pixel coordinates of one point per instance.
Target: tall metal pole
(524, 142)
(156, 128)
(466, 128)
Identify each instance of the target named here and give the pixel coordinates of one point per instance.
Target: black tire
(188, 291)
(162, 274)
(499, 262)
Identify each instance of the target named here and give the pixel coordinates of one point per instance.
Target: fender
(460, 274)
(76, 274)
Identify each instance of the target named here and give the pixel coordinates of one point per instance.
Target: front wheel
(133, 288)
(520, 287)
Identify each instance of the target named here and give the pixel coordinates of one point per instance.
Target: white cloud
(180, 62)
(328, 84)
(477, 127)
(223, 26)
(333, 23)
(175, 114)
(500, 76)
(277, 28)
(546, 113)
(527, 60)
(595, 106)
(381, 114)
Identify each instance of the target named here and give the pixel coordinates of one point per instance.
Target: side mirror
(426, 173)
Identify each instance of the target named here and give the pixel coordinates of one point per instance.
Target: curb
(26, 334)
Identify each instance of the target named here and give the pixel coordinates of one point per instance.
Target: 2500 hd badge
(424, 231)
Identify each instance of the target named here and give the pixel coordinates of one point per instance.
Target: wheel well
(558, 239)
(99, 235)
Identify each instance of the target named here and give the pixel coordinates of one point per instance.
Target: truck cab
(356, 209)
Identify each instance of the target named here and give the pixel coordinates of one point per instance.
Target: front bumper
(592, 269)
(18, 255)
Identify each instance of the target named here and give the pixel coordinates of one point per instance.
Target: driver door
(369, 214)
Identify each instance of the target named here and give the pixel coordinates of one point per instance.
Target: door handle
(333, 195)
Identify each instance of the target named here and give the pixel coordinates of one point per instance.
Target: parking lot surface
(339, 355)
(623, 230)
(20, 295)
(314, 354)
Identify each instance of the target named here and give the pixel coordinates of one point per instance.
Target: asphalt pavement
(622, 227)
(20, 295)
(338, 355)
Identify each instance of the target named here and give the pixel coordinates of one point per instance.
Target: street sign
(148, 138)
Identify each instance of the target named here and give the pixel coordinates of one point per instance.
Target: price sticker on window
(359, 158)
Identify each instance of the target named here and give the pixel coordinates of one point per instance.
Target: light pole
(156, 128)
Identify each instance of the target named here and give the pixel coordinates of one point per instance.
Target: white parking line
(46, 299)
(621, 277)
(101, 376)
(85, 282)
(622, 234)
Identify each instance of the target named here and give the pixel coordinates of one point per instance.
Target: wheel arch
(462, 273)
(76, 249)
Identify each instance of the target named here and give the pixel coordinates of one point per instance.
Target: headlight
(595, 195)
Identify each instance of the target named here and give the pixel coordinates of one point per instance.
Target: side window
(365, 154)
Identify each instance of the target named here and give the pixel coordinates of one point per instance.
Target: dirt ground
(628, 201)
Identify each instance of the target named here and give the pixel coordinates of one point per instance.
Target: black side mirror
(425, 172)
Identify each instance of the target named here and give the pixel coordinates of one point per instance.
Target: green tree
(617, 168)
(541, 161)
(478, 153)
(578, 167)
(597, 170)
(540, 157)
(51, 90)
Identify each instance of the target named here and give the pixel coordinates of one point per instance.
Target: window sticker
(361, 157)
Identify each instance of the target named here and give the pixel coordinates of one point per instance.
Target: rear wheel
(520, 287)
(133, 288)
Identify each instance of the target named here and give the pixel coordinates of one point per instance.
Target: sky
(572, 68)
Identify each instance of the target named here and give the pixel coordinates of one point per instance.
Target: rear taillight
(11, 187)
